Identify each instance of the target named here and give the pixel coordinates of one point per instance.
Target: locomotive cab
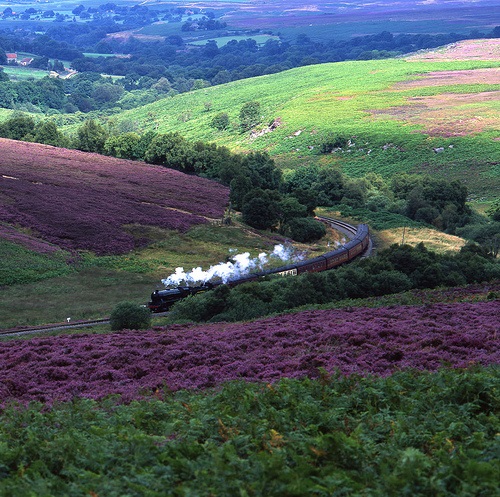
(162, 300)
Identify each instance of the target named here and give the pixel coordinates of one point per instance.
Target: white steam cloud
(240, 265)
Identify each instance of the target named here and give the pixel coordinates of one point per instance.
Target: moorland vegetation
(363, 390)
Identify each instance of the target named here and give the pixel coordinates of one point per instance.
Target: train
(162, 300)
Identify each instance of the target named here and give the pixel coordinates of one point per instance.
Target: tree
(220, 121)
(17, 127)
(107, 93)
(130, 315)
(290, 208)
(494, 210)
(124, 146)
(305, 229)
(249, 115)
(240, 186)
(262, 170)
(333, 141)
(261, 209)
(91, 137)
(171, 150)
(47, 132)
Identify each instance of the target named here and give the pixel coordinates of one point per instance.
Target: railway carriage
(162, 300)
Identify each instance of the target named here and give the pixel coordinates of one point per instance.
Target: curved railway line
(347, 229)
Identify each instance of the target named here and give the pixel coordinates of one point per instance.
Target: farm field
(24, 73)
(324, 21)
(396, 111)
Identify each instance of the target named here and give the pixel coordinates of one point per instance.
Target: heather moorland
(351, 341)
(82, 201)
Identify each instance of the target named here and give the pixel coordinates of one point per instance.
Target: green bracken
(414, 433)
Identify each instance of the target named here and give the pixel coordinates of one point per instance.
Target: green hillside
(373, 102)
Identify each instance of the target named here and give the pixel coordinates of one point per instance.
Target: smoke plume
(238, 266)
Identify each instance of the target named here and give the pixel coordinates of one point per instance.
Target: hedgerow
(394, 270)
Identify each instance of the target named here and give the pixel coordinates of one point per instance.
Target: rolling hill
(81, 201)
(398, 112)
(389, 396)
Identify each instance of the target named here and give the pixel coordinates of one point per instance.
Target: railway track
(347, 229)
(52, 327)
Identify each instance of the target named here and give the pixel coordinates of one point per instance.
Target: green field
(345, 30)
(351, 98)
(37, 289)
(19, 73)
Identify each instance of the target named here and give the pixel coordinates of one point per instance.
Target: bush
(305, 229)
(220, 121)
(131, 316)
(249, 115)
(333, 141)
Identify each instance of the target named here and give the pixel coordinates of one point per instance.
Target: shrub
(131, 316)
(220, 121)
(305, 229)
(333, 141)
(249, 115)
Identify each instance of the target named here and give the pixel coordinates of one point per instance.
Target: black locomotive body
(162, 300)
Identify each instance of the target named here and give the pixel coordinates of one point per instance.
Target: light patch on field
(432, 239)
(484, 49)
(449, 114)
(488, 76)
(306, 8)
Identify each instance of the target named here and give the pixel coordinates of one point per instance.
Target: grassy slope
(94, 288)
(313, 99)
(340, 98)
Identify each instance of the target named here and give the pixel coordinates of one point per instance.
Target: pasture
(224, 40)
(397, 112)
(20, 73)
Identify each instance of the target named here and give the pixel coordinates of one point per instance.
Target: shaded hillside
(76, 200)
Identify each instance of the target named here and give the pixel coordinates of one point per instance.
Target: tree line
(283, 202)
(397, 269)
(157, 69)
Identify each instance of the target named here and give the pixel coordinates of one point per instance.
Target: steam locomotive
(162, 300)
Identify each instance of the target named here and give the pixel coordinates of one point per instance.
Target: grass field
(20, 73)
(224, 40)
(396, 111)
(91, 287)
